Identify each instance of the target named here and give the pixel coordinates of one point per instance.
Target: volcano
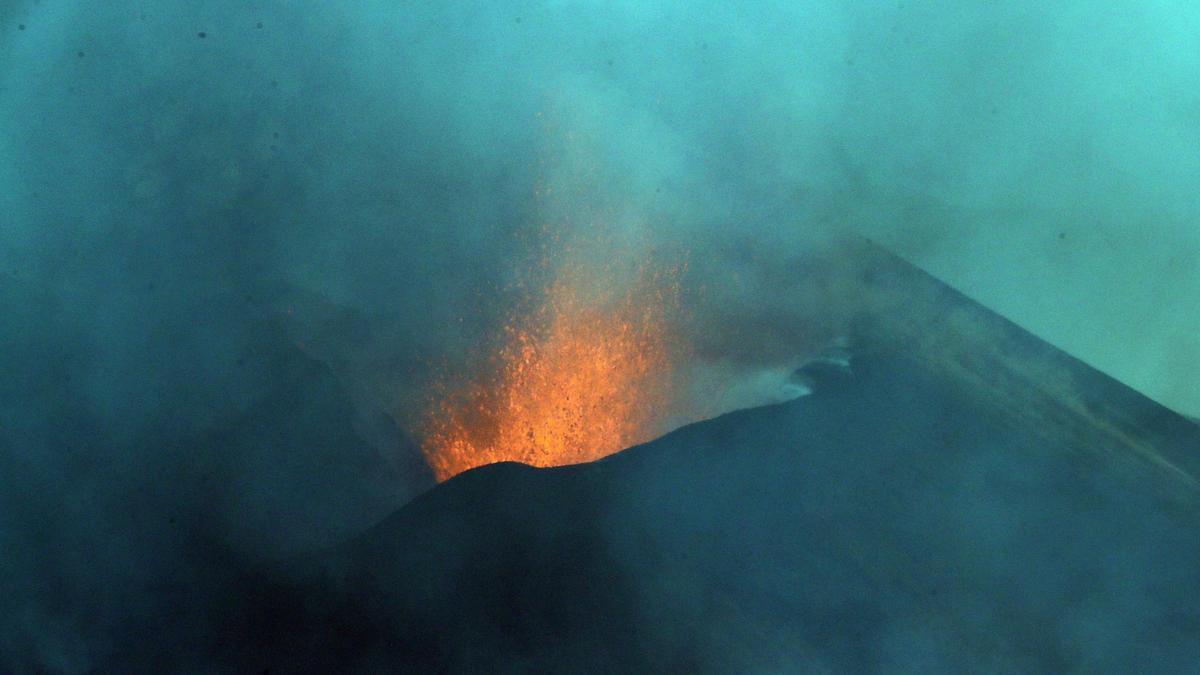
(962, 498)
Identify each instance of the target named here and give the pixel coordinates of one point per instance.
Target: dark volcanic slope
(888, 522)
(967, 500)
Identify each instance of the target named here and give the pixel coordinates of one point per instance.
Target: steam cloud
(203, 206)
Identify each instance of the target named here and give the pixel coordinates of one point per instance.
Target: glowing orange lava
(586, 374)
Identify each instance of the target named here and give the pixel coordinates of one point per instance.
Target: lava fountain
(587, 372)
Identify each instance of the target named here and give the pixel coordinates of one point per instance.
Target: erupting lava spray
(588, 372)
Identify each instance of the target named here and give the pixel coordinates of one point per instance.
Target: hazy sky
(1041, 157)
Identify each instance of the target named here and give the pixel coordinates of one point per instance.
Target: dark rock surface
(891, 524)
(964, 499)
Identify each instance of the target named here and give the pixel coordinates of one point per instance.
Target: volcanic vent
(587, 371)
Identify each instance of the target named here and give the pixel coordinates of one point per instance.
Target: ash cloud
(229, 226)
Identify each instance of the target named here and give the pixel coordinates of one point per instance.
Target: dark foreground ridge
(968, 499)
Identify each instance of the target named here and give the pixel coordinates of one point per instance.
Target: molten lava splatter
(587, 373)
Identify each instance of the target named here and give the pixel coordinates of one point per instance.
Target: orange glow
(587, 373)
